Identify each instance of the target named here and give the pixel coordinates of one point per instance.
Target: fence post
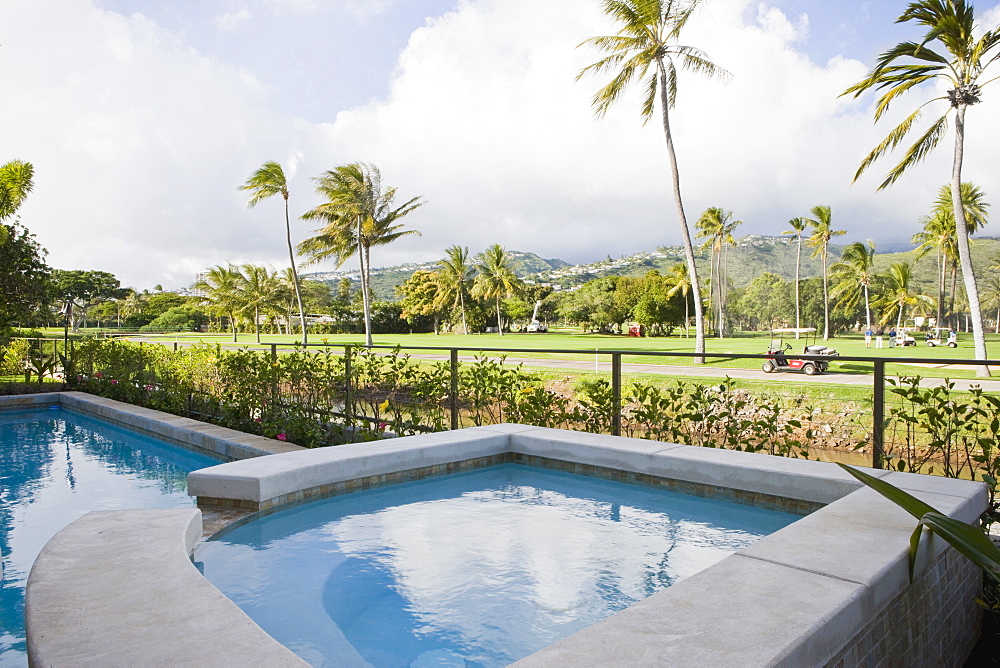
(453, 390)
(348, 417)
(616, 393)
(878, 414)
(175, 346)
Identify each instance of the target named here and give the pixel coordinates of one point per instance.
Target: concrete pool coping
(800, 596)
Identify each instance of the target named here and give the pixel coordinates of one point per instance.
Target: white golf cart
(940, 336)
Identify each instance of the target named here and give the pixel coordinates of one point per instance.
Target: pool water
(474, 569)
(55, 466)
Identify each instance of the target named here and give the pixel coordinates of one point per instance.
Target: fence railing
(613, 363)
(614, 358)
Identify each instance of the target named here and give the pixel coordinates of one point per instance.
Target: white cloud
(140, 142)
(234, 19)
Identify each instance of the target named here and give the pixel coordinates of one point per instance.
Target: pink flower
(282, 437)
(256, 419)
(79, 378)
(99, 375)
(149, 387)
(114, 382)
(382, 426)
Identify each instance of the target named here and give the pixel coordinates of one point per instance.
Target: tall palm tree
(716, 226)
(820, 243)
(496, 278)
(679, 281)
(359, 214)
(856, 269)
(898, 293)
(16, 181)
(991, 297)
(267, 182)
(959, 63)
(645, 50)
(798, 226)
(454, 280)
(220, 288)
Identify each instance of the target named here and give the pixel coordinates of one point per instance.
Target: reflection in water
(480, 568)
(57, 465)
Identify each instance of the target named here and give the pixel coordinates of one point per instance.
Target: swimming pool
(478, 568)
(55, 466)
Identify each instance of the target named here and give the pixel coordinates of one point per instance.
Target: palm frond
(918, 151)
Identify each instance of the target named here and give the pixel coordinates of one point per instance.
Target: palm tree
(679, 281)
(820, 243)
(220, 287)
(454, 279)
(991, 297)
(496, 278)
(898, 294)
(258, 291)
(16, 181)
(716, 226)
(267, 182)
(940, 234)
(855, 269)
(359, 214)
(798, 226)
(959, 64)
(645, 50)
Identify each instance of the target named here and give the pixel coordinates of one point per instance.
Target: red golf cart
(779, 362)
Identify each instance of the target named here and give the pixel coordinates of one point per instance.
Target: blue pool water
(475, 569)
(57, 465)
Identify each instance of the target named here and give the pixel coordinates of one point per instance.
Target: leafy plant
(971, 541)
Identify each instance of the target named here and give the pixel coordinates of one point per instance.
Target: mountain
(752, 256)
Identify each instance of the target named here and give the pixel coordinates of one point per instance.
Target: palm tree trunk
(295, 278)
(461, 301)
(826, 297)
(499, 325)
(962, 234)
(940, 305)
(868, 309)
(256, 322)
(798, 264)
(699, 317)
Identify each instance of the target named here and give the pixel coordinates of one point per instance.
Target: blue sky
(143, 118)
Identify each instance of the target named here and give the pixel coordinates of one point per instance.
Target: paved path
(603, 364)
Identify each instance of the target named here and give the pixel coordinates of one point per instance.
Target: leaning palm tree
(496, 278)
(820, 243)
(798, 226)
(267, 182)
(16, 181)
(220, 289)
(856, 269)
(454, 281)
(959, 63)
(645, 50)
(358, 214)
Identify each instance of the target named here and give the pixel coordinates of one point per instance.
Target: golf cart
(778, 362)
(936, 337)
(904, 338)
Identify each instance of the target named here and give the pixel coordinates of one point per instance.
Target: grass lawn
(585, 344)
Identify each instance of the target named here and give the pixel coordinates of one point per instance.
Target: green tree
(16, 181)
(680, 283)
(819, 241)
(798, 226)
(454, 281)
(958, 61)
(853, 275)
(420, 298)
(257, 292)
(265, 183)
(359, 214)
(24, 280)
(82, 289)
(496, 279)
(645, 50)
